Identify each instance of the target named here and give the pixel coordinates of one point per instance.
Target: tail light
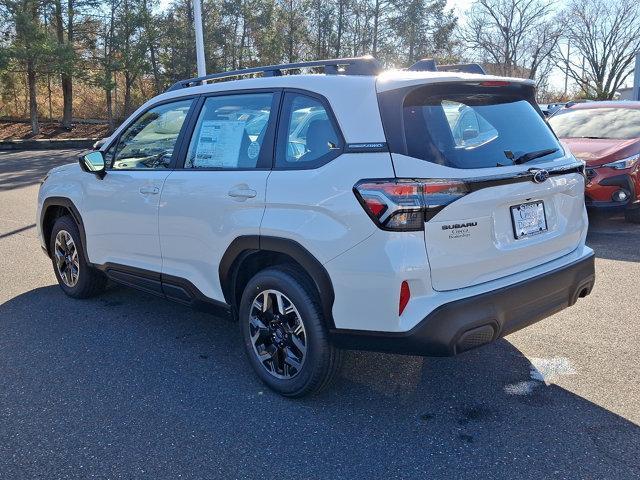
(404, 205)
(495, 83)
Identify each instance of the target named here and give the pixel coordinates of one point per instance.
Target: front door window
(149, 142)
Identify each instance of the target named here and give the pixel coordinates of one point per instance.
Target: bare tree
(604, 36)
(514, 37)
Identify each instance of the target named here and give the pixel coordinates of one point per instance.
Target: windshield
(471, 126)
(614, 123)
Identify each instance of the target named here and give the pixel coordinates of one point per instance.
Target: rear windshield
(468, 126)
(614, 123)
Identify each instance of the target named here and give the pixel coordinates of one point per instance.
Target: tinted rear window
(466, 126)
(615, 123)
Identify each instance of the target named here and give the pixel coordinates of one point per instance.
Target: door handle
(149, 190)
(242, 193)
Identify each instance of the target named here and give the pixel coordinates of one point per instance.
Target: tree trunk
(242, 41)
(129, 79)
(127, 94)
(67, 100)
(109, 101)
(340, 26)
(31, 72)
(151, 40)
(65, 79)
(154, 67)
(115, 96)
(33, 103)
(319, 25)
(376, 20)
(16, 103)
(412, 39)
(46, 26)
(49, 95)
(108, 74)
(292, 32)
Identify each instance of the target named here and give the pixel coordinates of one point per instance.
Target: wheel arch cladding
(248, 254)
(54, 208)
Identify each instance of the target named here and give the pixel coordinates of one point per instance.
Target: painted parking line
(544, 371)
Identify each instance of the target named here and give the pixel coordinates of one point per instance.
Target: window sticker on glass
(219, 144)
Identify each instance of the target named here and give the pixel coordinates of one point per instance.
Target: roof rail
(424, 65)
(463, 68)
(366, 65)
(429, 65)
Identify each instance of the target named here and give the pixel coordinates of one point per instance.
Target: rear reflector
(403, 204)
(405, 295)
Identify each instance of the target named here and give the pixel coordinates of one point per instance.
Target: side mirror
(93, 162)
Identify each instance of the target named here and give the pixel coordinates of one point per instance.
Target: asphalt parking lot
(130, 386)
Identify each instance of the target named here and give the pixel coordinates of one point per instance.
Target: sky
(459, 6)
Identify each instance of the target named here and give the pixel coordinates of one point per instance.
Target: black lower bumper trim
(471, 322)
(624, 182)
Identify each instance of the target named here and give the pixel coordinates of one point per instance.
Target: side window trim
(268, 145)
(190, 125)
(174, 157)
(283, 127)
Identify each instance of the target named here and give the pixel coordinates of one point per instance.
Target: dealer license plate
(529, 219)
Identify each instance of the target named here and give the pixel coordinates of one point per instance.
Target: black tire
(632, 215)
(321, 359)
(89, 281)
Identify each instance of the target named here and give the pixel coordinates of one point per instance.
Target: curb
(47, 144)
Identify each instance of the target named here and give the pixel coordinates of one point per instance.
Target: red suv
(606, 135)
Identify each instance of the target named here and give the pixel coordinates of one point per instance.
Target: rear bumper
(474, 321)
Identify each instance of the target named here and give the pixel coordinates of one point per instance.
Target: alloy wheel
(277, 334)
(66, 257)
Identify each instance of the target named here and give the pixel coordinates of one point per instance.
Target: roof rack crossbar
(429, 65)
(346, 66)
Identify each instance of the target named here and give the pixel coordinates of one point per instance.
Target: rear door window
(230, 133)
(309, 137)
(466, 126)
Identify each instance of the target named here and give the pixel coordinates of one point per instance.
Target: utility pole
(197, 23)
(636, 79)
(566, 71)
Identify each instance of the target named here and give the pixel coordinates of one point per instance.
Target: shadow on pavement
(23, 168)
(613, 238)
(129, 385)
(18, 230)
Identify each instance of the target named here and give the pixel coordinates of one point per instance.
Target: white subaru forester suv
(330, 205)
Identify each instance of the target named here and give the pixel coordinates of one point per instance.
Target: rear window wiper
(527, 157)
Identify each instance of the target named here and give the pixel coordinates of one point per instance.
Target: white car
(418, 212)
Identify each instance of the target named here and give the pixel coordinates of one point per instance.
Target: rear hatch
(500, 194)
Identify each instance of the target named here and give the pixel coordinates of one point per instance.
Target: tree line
(102, 58)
